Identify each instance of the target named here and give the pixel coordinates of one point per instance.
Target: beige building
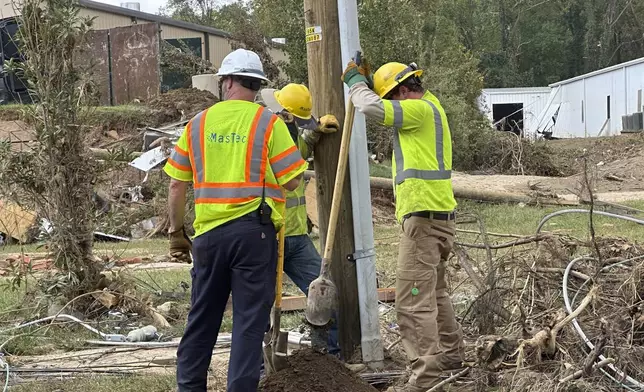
(215, 43)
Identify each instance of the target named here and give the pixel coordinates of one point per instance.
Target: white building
(514, 109)
(593, 104)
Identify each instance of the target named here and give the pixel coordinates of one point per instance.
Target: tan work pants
(431, 336)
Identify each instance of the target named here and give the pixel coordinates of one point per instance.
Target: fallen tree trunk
(463, 192)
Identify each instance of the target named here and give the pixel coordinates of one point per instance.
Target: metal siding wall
(617, 102)
(485, 106)
(219, 48)
(534, 103)
(634, 83)
(106, 20)
(569, 122)
(278, 56)
(597, 89)
(7, 9)
(173, 32)
(621, 84)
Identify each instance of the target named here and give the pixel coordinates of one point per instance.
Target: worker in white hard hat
(302, 262)
(240, 158)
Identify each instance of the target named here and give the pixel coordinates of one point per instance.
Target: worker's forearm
(367, 102)
(294, 183)
(177, 204)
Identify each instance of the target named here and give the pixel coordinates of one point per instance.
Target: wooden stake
(325, 71)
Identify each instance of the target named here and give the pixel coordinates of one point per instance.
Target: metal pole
(365, 255)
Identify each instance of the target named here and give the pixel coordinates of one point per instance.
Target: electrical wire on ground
(622, 378)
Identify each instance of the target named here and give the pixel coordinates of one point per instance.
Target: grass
(147, 383)
(11, 112)
(504, 218)
(121, 117)
(380, 169)
(139, 248)
(16, 306)
(108, 117)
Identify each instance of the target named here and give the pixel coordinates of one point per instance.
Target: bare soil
(314, 372)
(569, 152)
(615, 163)
(182, 103)
(17, 132)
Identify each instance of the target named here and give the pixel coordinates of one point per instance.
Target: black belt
(250, 216)
(444, 216)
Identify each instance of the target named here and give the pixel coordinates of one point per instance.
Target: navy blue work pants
(241, 257)
(302, 263)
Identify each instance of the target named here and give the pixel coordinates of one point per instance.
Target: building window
(608, 107)
(582, 111)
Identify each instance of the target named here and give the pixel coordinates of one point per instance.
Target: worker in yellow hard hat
(422, 170)
(302, 262)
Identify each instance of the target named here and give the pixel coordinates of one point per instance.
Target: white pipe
(582, 211)
(69, 318)
(5, 365)
(133, 344)
(621, 375)
(371, 341)
(567, 299)
(223, 339)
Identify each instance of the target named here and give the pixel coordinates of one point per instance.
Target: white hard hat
(242, 62)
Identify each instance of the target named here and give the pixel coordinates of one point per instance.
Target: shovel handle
(280, 269)
(339, 181)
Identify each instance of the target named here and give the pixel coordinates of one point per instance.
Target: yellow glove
(328, 124)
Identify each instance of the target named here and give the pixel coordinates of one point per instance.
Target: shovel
(321, 301)
(276, 341)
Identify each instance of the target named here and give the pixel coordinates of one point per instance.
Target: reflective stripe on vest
(292, 202)
(255, 169)
(234, 191)
(403, 174)
(180, 159)
(283, 162)
(257, 152)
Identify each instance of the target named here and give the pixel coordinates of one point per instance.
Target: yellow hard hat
(391, 75)
(295, 99)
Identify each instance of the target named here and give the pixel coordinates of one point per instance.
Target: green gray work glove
(357, 73)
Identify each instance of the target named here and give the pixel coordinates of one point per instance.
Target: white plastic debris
(145, 334)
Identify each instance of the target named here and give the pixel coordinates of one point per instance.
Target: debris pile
(554, 310)
(311, 371)
(182, 103)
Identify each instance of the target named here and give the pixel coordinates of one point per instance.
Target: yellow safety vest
(422, 165)
(296, 216)
(235, 152)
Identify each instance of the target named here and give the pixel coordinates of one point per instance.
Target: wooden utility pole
(325, 71)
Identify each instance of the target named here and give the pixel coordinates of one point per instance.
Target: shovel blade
(280, 352)
(321, 301)
(269, 367)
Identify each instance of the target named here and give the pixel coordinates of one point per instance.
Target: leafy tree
(237, 19)
(55, 175)
(285, 19)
